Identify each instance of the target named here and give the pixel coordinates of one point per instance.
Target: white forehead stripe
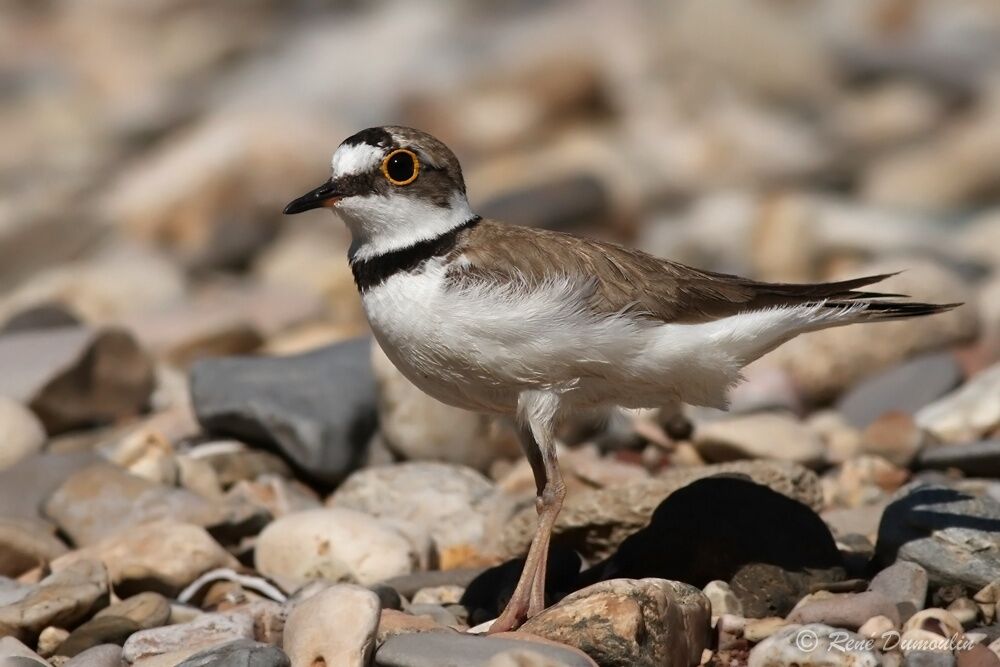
(356, 159)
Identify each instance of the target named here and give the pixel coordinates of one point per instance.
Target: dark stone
(487, 594)
(976, 459)
(317, 410)
(955, 536)
(74, 377)
(105, 655)
(98, 631)
(239, 653)
(903, 388)
(772, 549)
(569, 202)
(929, 659)
(44, 316)
(388, 597)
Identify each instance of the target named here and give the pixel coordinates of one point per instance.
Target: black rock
(903, 388)
(487, 594)
(976, 459)
(771, 549)
(43, 316)
(239, 653)
(317, 410)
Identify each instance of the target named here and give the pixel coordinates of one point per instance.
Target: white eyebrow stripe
(356, 159)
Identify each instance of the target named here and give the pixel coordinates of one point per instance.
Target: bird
(538, 325)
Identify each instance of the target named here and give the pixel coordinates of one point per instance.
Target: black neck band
(374, 271)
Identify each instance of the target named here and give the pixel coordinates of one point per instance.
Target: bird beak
(324, 196)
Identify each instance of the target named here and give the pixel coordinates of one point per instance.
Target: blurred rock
(904, 583)
(101, 500)
(626, 622)
(968, 413)
(393, 622)
(842, 441)
(96, 632)
(315, 409)
(334, 627)
(758, 436)
(24, 546)
(848, 611)
(974, 459)
(596, 522)
(446, 501)
(21, 434)
(722, 599)
(163, 556)
(277, 495)
(887, 114)
(906, 388)
(26, 486)
(432, 649)
(105, 655)
(15, 654)
(42, 316)
(895, 437)
(185, 639)
(147, 610)
(781, 648)
(63, 599)
(418, 427)
(239, 653)
(824, 363)
(862, 481)
(75, 377)
(335, 544)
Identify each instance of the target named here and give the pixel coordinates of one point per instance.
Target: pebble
(97, 631)
(335, 544)
(239, 653)
(968, 413)
(74, 377)
(759, 436)
(63, 599)
(26, 486)
(438, 649)
(21, 433)
(798, 644)
(907, 388)
(722, 599)
(849, 611)
(393, 622)
(166, 555)
(333, 627)
(178, 642)
(447, 501)
(904, 583)
(105, 655)
(623, 622)
(50, 639)
(147, 610)
(980, 459)
(895, 437)
(317, 409)
(13, 653)
(24, 544)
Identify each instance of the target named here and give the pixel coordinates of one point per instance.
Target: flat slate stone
(976, 459)
(239, 653)
(434, 649)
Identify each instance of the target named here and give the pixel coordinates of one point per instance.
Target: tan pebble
(757, 629)
(50, 639)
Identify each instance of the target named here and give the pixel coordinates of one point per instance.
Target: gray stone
(625, 622)
(186, 639)
(978, 459)
(21, 434)
(26, 486)
(24, 545)
(799, 645)
(62, 599)
(969, 413)
(929, 659)
(907, 388)
(239, 653)
(316, 409)
(74, 376)
(105, 655)
(434, 649)
(763, 435)
(97, 631)
(904, 583)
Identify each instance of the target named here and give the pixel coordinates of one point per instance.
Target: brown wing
(627, 279)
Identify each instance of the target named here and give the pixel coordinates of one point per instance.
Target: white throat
(384, 223)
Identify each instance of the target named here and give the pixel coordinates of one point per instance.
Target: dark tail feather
(877, 311)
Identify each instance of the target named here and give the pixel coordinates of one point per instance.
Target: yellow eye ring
(401, 167)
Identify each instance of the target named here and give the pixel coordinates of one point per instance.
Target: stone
(825, 363)
(756, 558)
(863, 481)
(43, 316)
(277, 495)
(906, 388)
(953, 535)
(895, 437)
(981, 459)
(801, 644)
(315, 409)
(76, 377)
(98, 631)
(334, 627)
(62, 599)
(722, 599)
(930, 627)
(21, 433)
(630, 622)
(185, 639)
(904, 583)
(15, 654)
(26, 486)
(239, 653)
(147, 610)
(965, 611)
(968, 413)
(407, 585)
(50, 639)
(759, 436)
(104, 499)
(448, 501)
(23, 546)
(105, 655)
(233, 462)
(443, 595)
(596, 522)
(393, 622)
(334, 544)
(849, 611)
(877, 627)
(434, 649)
(163, 555)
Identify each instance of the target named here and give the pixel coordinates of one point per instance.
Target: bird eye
(401, 167)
